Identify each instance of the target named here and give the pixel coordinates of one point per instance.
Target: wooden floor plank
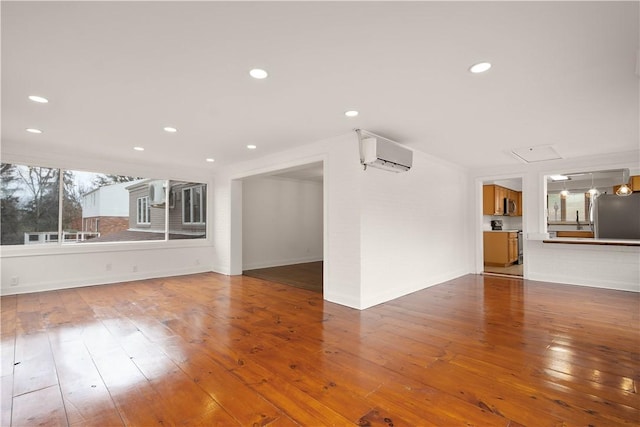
(209, 349)
(42, 407)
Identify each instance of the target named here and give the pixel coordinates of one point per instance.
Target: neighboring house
(187, 208)
(105, 210)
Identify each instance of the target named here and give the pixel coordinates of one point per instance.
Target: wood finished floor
(209, 349)
(511, 270)
(307, 275)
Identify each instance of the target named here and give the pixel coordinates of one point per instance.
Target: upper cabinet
(493, 203)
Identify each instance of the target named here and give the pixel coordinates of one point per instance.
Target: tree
(108, 179)
(41, 205)
(9, 207)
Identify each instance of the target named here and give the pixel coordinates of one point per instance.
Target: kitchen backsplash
(508, 222)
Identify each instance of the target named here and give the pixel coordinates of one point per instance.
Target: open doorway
(282, 226)
(502, 236)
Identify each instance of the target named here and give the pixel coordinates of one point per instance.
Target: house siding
(105, 225)
(176, 224)
(156, 214)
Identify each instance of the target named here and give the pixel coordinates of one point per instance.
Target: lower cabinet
(500, 248)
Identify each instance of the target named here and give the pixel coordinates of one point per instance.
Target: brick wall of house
(105, 224)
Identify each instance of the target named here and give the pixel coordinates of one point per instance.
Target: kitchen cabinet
(500, 248)
(519, 202)
(633, 184)
(493, 200)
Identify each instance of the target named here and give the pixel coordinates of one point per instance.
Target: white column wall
(341, 250)
(414, 230)
(385, 234)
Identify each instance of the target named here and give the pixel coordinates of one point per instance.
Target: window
(193, 202)
(571, 208)
(30, 199)
(43, 205)
(144, 210)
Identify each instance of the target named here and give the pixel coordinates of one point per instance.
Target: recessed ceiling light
(138, 148)
(170, 129)
(480, 67)
(351, 113)
(251, 147)
(33, 130)
(258, 73)
(210, 160)
(40, 99)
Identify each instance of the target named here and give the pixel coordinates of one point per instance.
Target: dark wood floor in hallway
(307, 275)
(209, 349)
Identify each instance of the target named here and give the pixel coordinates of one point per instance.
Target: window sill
(86, 248)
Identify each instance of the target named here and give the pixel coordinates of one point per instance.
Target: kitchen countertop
(503, 231)
(592, 241)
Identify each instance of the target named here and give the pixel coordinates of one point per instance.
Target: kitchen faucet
(579, 227)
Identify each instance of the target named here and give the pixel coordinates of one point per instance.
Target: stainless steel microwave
(510, 207)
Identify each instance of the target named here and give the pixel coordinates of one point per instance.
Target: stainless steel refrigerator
(617, 217)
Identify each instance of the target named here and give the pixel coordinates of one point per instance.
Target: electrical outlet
(135, 268)
(197, 262)
(15, 280)
(108, 267)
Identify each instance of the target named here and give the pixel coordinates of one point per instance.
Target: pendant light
(624, 189)
(564, 192)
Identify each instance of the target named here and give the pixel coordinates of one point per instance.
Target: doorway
(283, 226)
(502, 227)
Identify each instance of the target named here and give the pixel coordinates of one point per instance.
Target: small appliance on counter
(496, 224)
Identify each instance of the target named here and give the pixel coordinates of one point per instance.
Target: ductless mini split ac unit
(382, 153)
(157, 193)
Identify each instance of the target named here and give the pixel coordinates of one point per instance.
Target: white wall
(385, 234)
(282, 222)
(47, 267)
(414, 230)
(599, 266)
(341, 231)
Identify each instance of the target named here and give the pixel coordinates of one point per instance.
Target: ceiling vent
(539, 153)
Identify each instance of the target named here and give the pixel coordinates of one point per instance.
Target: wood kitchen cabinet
(633, 184)
(500, 248)
(493, 199)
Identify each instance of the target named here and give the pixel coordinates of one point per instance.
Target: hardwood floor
(209, 349)
(307, 275)
(511, 270)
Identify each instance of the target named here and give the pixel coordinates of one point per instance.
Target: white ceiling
(564, 74)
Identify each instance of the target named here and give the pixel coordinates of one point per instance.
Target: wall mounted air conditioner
(157, 193)
(381, 153)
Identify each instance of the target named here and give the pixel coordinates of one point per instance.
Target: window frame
(202, 209)
(57, 246)
(146, 213)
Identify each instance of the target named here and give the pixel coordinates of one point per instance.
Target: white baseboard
(99, 280)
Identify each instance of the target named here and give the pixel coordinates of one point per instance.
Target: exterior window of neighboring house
(193, 205)
(570, 208)
(144, 210)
